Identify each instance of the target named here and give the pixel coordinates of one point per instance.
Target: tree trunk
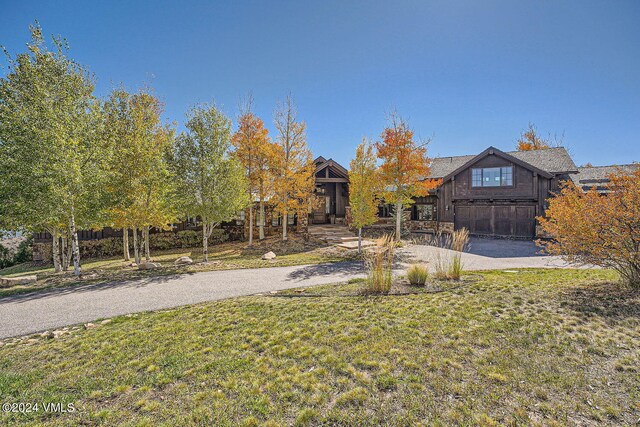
(74, 244)
(262, 220)
(360, 240)
(205, 240)
(147, 253)
(65, 253)
(399, 213)
(125, 244)
(285, 220)
(136, 249)
(250, 225)
(55, 249)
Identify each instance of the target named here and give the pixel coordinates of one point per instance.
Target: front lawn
(225, 256)
(536, 347)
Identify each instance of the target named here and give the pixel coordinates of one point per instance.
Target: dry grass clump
(379, 264)
(449, 266)
(417, 274)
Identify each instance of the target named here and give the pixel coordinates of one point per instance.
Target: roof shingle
(552, 160)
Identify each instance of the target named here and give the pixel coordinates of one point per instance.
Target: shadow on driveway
(504, 248)
(88, 287)
(338, 268)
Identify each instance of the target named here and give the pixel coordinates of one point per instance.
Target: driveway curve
(31, 313)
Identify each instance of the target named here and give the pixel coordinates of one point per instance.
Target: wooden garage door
(497, 220)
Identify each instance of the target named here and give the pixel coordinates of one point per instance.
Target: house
(494, 193)
(597, 176)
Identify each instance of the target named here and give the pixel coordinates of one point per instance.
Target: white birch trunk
(74, 244)
(285, 219)
(55, 249)
(205, 240)
(147, 253)
(262, 220)
(250, 225)
(65, 253)
(399, 213)
(136, 249)
(125, 244)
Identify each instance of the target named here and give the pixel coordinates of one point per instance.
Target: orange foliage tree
(530, 139)
(598, 228)
(405, 167)
(256, 152)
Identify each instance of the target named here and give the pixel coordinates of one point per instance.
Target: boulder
(89, 325)
(148, 266)
(12, 281)
(183, 260)
(269, 255)
(48, 335)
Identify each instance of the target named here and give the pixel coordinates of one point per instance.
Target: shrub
(417, 275)
(379, 265)
(13, 255)
(112, 246)
(598, 229)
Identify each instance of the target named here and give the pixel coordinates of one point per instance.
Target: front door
(319, 214)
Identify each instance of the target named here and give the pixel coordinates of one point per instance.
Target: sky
(464, 74)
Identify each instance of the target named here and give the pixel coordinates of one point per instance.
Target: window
(492, 177)
(240, 218)
(424, 212)
(291, 219)
(275, 219)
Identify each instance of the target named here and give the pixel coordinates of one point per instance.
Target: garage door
(497, 220)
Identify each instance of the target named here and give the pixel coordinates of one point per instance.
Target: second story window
(492, 177)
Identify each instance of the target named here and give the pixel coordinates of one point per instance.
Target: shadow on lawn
(611, 301)
(92, 286)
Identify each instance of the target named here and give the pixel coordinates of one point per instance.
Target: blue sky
(467, 74)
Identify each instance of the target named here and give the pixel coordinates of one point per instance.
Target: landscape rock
(269, 255)
(48, 335)
(89, 325)
(58, 333)
(183, 260)
(106, 321)
(148, 266)
(12, 281)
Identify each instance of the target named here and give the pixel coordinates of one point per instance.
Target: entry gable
(330, 171)
(496, 152)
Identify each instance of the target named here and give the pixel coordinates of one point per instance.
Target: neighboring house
(597, 176)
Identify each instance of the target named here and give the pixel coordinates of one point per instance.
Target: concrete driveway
(30, 313)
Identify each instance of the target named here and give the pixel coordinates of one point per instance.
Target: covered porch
(332, 191)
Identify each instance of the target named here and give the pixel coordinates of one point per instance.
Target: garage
(504, 220)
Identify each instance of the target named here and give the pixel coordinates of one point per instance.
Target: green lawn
(227, 256)
(537, 347)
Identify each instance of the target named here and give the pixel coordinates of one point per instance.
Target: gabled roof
(549, 160)
(322, 163)
(494, 151)
(596, 176)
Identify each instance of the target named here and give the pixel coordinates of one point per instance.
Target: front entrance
(497, 219)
